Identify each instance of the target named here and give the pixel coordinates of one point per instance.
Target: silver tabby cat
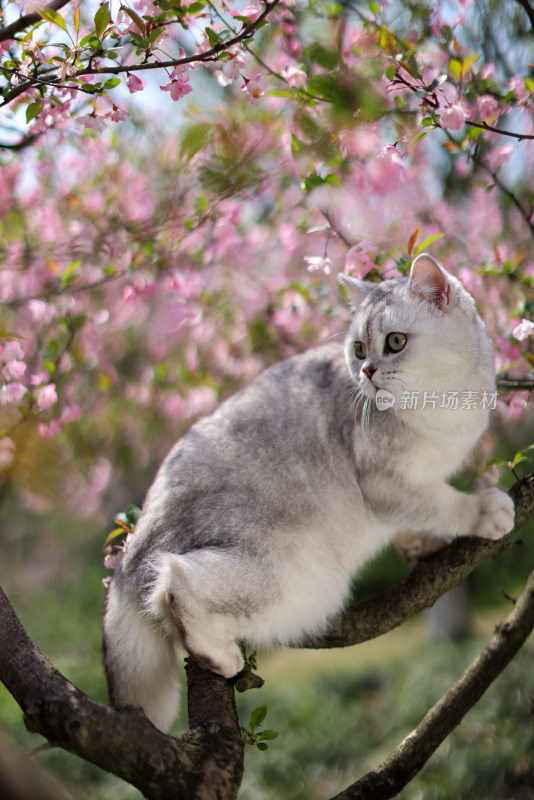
(261, 515)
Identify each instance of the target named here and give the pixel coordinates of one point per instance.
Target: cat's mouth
(369, 388)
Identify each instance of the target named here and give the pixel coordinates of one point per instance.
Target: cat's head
(416, 334)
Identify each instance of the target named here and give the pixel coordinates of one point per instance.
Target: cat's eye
(395, 342)
(360, 350)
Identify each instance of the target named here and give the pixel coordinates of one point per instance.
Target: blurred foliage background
(196, 225)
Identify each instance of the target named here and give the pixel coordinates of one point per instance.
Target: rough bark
(207, 761)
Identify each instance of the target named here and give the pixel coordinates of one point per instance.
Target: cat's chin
(369, 390)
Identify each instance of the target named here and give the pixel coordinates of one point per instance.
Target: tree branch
(485, 127)
(528, 9)
(122, 740)
(409, 757)
(29, 19)
(208, 55)
(430, 578)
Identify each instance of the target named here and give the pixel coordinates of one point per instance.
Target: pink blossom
(295, 77)
(16, 369)
(71, 414)
(253, 88)
(201, 400)
(47, 396)
(386, 170)
(318, 262)
(249, 11)
(357, 260)
(110, 560)
(506, 354)
(12, 393)
(92, 122)
(12, 351)
(174, 406)
(178, 88)
(118, 115)
(134, 83)
(488, 108)
(517, 85)
(231, 69)
(498, 156)
(524, 330)
(452, 117)
(42, 312)
(47, 430)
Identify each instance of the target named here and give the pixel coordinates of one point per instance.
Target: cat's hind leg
(195, 594)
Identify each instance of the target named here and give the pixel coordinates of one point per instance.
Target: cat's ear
(429, 281)
(357, 289)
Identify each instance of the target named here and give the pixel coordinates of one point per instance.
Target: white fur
(143, 660)
(264, 512)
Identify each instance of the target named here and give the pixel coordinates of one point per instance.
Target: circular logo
(384, 399)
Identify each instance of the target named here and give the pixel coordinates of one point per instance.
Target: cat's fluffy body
(264, 511)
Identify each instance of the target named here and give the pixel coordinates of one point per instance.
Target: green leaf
(50, 366)
(155, 34)
(214, 38)
(194, 138)
(68, 275)
(92, 41)
(257, 716)
(521, 455)
(102, 19)
(428, 241)
(132, 514)
(51, 16)
(268, 735)
(455, 68)
(262, 746)
(391, 72)
(135, 18)
(33, 110)
(111, 83)
(196, 8)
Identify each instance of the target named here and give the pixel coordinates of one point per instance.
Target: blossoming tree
(151, 267)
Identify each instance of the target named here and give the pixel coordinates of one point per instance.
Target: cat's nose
(369, 370)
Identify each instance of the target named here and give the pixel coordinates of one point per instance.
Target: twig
(485, 127)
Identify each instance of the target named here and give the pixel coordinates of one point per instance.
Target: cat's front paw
(496, 514)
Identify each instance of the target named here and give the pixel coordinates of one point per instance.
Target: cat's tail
(140, 658)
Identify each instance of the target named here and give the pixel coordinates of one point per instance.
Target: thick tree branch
(528, 10)
(430, 578)
(122, 740)
(409, 757)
